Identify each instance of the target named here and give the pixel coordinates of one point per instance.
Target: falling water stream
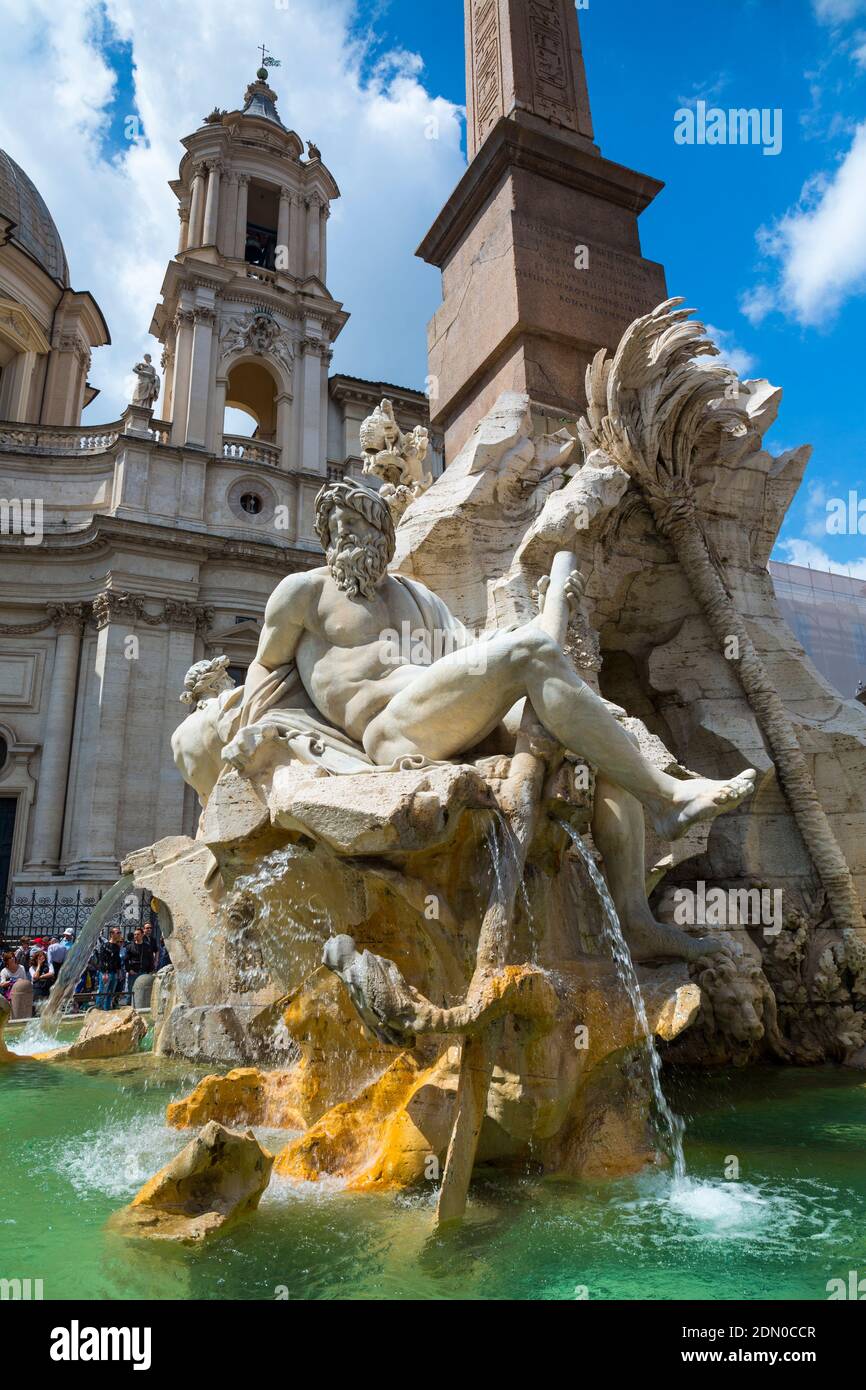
(671, 1125)
(80, 953)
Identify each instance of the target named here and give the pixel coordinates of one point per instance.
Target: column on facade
(21, 386)
(180, 387)
(313, 245)
(323, 243)
(327, 355)
(196, 206)
(199, 377)
(183, 236)
(312, 445)
(68, 365)
(166, 361)
(241, 220)
(284, 228)
(95, 832)
(184, 619)
(296, 237)
(212, 203)
(215, 443)
(284, 429)
(68, 620)
(228, 215)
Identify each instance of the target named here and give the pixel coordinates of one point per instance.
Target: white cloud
(730, 354)
(838, 11)
(820, 245)
(116, 215)
(757, 303)
(815, 523)
(806, 553)
(708, 91)
(859, 52)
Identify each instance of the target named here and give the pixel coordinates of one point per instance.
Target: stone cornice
(110, 533)
(511, 145)
(346, 388)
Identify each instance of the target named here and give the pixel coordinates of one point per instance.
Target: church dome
(34, 230)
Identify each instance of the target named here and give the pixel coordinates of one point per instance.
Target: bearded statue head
(356, 530)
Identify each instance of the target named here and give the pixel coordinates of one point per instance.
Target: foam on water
(35, 1038)
(721, 1207)
(116, 1158)
(119, 1156)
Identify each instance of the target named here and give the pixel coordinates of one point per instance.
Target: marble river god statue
(327, 648)
(390, 923)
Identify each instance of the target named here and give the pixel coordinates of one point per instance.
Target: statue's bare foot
(648, 939)
(242, 749)
(700, 798)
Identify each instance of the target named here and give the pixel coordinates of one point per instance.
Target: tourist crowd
(107, 977)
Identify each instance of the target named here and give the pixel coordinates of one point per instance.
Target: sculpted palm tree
(658, 413)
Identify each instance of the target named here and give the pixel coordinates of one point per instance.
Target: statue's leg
(618, 831)
(448, 707)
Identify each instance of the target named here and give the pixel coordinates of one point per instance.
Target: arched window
(251, 403)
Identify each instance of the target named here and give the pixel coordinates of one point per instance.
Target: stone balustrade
(250, 450)
(260, 272)
(71, 439)
(57, 439)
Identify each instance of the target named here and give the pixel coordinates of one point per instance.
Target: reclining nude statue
(328, 682)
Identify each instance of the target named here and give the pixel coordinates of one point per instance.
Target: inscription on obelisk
(538, 245)
(524, 56)
(485, 59)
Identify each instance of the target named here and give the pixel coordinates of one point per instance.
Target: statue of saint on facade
(147, 387)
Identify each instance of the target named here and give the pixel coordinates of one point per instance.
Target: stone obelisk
(538, 245)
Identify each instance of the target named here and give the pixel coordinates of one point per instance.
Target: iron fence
(43, 915)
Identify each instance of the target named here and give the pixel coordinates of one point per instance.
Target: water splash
(670, 1124)
(292, 922)
(34, 1037)
(82, 949)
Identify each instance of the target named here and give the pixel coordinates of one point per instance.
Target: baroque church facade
(134, 548)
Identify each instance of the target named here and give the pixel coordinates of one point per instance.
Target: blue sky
(770, 250)
(711, 224)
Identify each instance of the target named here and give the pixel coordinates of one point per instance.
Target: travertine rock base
(219, 1177)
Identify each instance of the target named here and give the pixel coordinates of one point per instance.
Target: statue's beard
(358, 567)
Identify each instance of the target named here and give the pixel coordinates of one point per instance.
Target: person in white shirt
(11, 972)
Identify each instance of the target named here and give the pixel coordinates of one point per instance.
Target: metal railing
(46, 915)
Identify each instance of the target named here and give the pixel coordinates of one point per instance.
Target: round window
(4, 751)
(252, 501)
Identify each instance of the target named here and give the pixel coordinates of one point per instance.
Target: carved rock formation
(218, 1178)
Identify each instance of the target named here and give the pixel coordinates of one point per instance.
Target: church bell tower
(246, 319)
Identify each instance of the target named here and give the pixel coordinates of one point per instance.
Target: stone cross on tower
(538, 245)
(525, 61)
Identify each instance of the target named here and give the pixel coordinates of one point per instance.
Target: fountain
(390, 934)
(389, 929)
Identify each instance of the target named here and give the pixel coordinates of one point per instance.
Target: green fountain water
(79, 1141)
